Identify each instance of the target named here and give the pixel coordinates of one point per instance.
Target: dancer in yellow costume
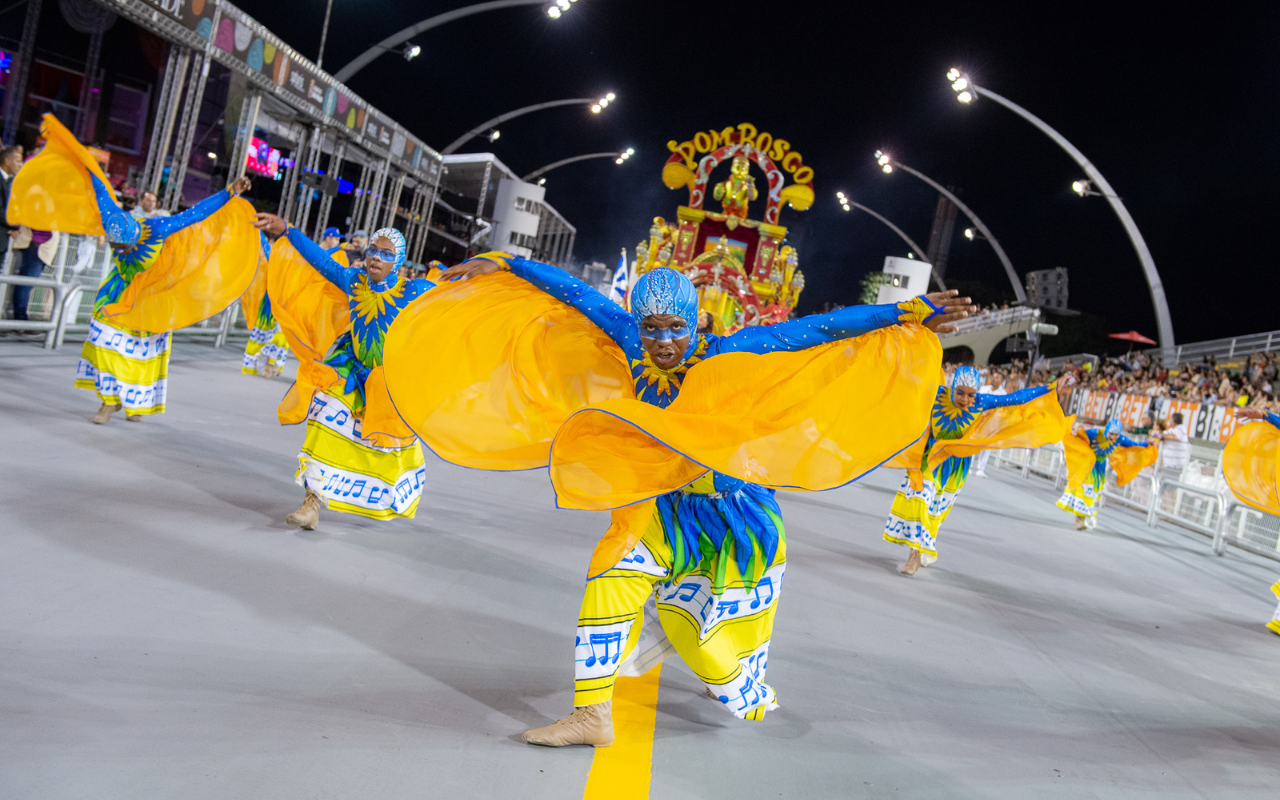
(167, 272)
(963, 422)
(685, 437)
(358, 457)
(1087, 454)
(1250, 463)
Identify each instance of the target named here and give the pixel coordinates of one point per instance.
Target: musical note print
(597, 649)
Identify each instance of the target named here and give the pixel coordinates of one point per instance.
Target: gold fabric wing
(1250, 464)
(485, 371)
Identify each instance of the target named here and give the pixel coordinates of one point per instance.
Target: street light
(848, 205)
(392, 42)
(1085, 189)
(972, 234)
(556, 9)
(618, 158)
(498, 120)
(886, 164)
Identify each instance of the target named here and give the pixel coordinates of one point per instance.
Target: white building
(908, 278)
(516, 217)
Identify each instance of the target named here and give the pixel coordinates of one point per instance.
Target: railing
(73, 288)
(1207, 507)
(1233, 347)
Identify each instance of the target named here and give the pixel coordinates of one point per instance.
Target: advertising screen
(263, 159)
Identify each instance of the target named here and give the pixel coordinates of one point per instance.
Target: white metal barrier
(1206, 506)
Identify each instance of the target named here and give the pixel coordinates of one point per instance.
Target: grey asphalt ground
(163, 633)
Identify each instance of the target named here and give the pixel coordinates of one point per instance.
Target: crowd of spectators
(1250, 384)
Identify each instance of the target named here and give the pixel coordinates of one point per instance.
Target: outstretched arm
(607, 315)
(1259, 414)
(1125, 441)
(201, 211)
(1016, 399)
(333, 271)
(933, 311)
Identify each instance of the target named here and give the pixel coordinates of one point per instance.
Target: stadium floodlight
(1096, 186)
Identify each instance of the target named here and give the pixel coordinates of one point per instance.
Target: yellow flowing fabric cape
(53, 191)
(1029, 425)
(312, 314)
(1249, 463)
(811, 420)
(1126, 461)
(486, 371)
(251, 300)
(201, 269)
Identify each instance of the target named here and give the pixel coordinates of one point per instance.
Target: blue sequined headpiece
(1113, 426)
(965, 376)
(396, 238)
(666, 291)
(120, 227)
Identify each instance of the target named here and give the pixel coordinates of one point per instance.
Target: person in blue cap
(331, 240)
(339, 467)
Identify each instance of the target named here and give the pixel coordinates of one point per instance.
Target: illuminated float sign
(745, 272)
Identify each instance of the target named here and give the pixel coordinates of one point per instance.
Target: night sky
(1177, 107)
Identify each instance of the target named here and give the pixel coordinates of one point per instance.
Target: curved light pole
(392, 42)
(597, 104)
(846, 204)
(967, 91)
(618, 157)
(888, 165)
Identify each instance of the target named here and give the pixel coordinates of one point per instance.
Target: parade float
(745, 272)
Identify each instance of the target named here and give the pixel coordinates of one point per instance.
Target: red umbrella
(1132, 336)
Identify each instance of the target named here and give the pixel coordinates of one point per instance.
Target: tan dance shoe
(591, 725)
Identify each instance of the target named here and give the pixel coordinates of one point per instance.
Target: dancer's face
(665, 337)
(963, 396)
(376, 268)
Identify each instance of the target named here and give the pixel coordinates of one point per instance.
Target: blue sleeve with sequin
(335, 273)
(167, 226)
(1274, 419)
(607, 315)
(810, 331)
(1125, 441)
(1016, 399)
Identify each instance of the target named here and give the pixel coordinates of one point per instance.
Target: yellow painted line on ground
(622, 771)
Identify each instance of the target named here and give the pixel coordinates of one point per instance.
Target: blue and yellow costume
(1087, 454)
(925, 498)
(340, 462)
(1251, 465)
(129, 367)
(711, 549)
(167, 273)
(267, 351)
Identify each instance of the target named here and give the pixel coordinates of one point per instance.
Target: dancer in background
(167, 272)
(962, 423)
(267, 350)
(683, 436)
(358, 457)
(1087, 454)
(1250, 464)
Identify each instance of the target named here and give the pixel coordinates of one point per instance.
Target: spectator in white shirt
(1175, 450)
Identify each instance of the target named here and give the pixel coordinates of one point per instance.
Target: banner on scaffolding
(1205, 421)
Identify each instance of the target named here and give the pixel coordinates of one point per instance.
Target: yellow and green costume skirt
(125, 367)
(717, 616)
(265, 346)
(920, 508)
(350, 472)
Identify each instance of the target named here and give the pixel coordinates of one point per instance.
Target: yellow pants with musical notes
(724, 639)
